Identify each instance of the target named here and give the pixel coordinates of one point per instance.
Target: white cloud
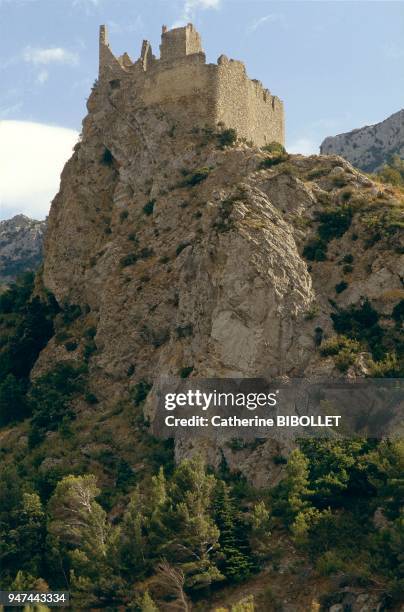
(32, 156)
(261, 21)
(305, 146)
(191, 7)
(52, 55)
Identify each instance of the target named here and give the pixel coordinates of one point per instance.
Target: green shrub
(224, 222)
(339, 181)
(62, 336)
(274, 147)
(334, 345)
(27, 334)
(389, 367)
(398, 312)
(91, 399)
(90, 333)
(348, 259)
(340, 287)
(128, 260)
(227, 138)
(329, 563)
(274, 160)
(89, 349)
(186, 372)
(50, 398)
(312, 313)
(123, 215)
(318, 335)
(334, 222)
(383, 223)
(316, 250)
(140, 392)
(236, 444)
(393, 172)
(360, 323)
(146, 253)
(13, 402)
(347, 269)
(344, 360)
(70, 313)
(149, 207)
(17, 295)
(197, 177)
(184, 331)
(71, 346)
(279, 460)
(346, 195)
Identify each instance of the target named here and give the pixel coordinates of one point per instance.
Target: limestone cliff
(21, 242)
(369, 147)
(182, 253)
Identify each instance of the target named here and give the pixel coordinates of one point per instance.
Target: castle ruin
(195, 93)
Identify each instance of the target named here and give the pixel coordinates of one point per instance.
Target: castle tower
(107, 61)
(179, 42)
(191, 92)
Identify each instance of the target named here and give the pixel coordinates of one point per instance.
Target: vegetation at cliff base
(392, 172)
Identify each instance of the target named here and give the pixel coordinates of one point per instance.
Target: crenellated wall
(246, 106)
(196, 93)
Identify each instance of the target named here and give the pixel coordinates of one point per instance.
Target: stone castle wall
(186, 88)
(246, 106)
(196, 93)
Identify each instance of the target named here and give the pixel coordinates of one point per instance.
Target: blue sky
(336, 64)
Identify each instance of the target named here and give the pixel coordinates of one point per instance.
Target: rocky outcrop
(21, 240)
(184, 254)
(370, 147)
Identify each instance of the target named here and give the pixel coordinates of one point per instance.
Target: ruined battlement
(179, 42)
(192, 91)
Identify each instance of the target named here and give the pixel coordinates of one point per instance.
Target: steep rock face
(370, 147)
(21, 241)
(182, 254)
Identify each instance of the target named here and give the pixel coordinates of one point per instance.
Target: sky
(337, 65)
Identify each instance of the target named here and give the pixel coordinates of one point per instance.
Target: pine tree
(236, 562)
(76, 519)
(13, 403)
(133, 543)
(188, 534)
(260, 531)
(297, 482)
(22, 538)
(147, 604)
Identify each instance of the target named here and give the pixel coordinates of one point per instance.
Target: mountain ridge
(21, 241)
(371, 146)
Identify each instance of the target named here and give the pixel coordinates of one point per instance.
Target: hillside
(370, 147)
(21, 241)
(241, 267)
